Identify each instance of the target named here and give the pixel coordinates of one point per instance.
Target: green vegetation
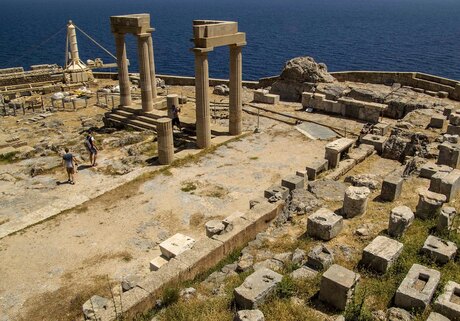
(188, 187)
(8, 158)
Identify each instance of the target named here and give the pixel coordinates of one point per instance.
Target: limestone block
(375, 140)
(429, 169)
(417, 288)
(450, 185)
(438, 121)
(381, 253)
(449, 154)
(446, 219)
(335, 149)
(401, 217)
(355, 201)
(157, 263)
(453, 130)
(439, 250)
(324, 224)
(453, 139)
(429, 204)
(435, 181)
(447, 111)
(337, 286)
(307, 99)
(391, 188)
(249, 315)
(320, 257)
(293, 182)
(262, 96)
(315, 168)
(214, 227)
(454, 118)
(256, 288)
(381, 128)
(175, 245)
(303, 272)
(437, 317)
(448, 303)
(361, 152)
(277, 191)
(228, 221)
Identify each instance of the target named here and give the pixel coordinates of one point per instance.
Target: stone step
(133, 123)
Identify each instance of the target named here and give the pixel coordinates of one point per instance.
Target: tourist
(92, 148)
(70, 164)
(175, 113)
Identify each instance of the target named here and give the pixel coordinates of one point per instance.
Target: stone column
(171, 100)
(165, 141)
(236, 88)
(123, 75)
(203, 120)
(144, 70)
(152, 68)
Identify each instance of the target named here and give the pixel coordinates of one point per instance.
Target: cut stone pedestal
(315, 168)
(437, 317)
(438, 121)
(401, 217)
(391, 188)
(448, 303)
(277, 190)
(449, 154)
(429, 169)
(355, 201)
(335, 150)
(375, 140)
(429, 204)
(256, 288)
(381, 253)
(441, 251)
(175, 245)
(324, 224)
(293, 182)
(417, 288)
(320, 257)
(337, 286)
(446, 219)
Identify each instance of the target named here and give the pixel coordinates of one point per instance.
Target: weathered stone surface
(391, 188)
(256, 288)
(450, 185)
(336, 149)
(355, 201)
(324, 224)
(381, 253)
(449, 154)
(303, 272)
(270, 264)
(429, 204)
(249, 315)
(417, 288)
(328, 190)
(337, 286)
(367, 180)
(303, 202)
(361, 152)
(448, 303)
(299, 256)
(437, 317)
(214, 227)
(439, 250)
(320, 257)
(401, 217)
(94, 305)
(446, 219)
(175, 245)
(277, 191)
(306, 69)
(245, 262)
(293, 182)
(157, 263)
(397, 314)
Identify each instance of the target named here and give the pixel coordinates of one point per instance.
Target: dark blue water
(394, 35)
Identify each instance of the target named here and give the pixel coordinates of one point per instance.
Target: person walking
(91, 147)
(175, 119)
(70, 163)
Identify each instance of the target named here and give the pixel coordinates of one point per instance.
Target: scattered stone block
(397, 314)
(94, 305)
(249, 315)
(355, 201)
(320, 257)
(449, 154)
(417, 288)
(157, 263)
(429, 204)
(256, 288)
(381, 253)
(441, 251)
(328, 190)
(214, 227)
(391, 188)
(435, 181)
(453, 139)
(336, 149)
(447, 111)
(450, 185)
(454, 118)
(443, 94)
(262, 96)
(229, 220)
(337, 286)
(448, 303)
(270, 264)
(324, 224)
(315, 168)
(429, 169)
(344, 167)
(401, 217)
(293, 182)
(438, 121)
(367, 180)
(278, 191)
(375, 140)
(175, 245)
(437, 317)
(361, 152)
(303, 272)
(303, 174)
(129, 282)
(453, 130)
(381, 128)
(446, 219)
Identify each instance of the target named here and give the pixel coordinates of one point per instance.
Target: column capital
(150, 30)
(143, 36)
(238, 45)
(201, 51)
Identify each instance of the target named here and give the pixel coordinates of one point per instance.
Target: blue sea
(393, 35)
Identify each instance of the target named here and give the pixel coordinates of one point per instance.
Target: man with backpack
(91, 147)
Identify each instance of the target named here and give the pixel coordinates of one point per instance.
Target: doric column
(203, 120)
(123, 75)
(236, 89)
(165, 141)
(144, 70)
(152, 68)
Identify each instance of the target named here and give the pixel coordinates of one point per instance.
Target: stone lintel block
(429, 169)
(417, 288)
(439, 250)
(355, 201)
(275, 190)
(375, 140)
(446, 219)
(429, 204)
(315, 168)
(401, 217)
(448, 303)
(175, 245)
(324, 224)
(157, 263)
(337, 286)
(256, 288)
(381, 253)
(293, 182)
(437, 317)
(391, 188)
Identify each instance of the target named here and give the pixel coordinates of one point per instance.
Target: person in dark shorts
(175, 119)
(70, 164)
(91, 147)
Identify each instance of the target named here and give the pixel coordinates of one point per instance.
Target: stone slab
(437, 317)
(381, 253)
(315, 168)
(315, 131)
(157, 263)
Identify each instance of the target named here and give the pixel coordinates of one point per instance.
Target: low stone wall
(347, 107)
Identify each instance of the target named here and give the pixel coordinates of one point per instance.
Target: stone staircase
(131, 118)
